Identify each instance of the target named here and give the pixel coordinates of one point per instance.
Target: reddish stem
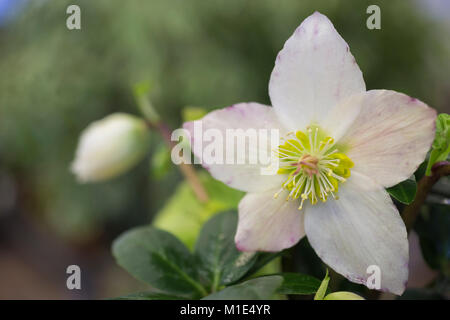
(186, 169)
(411, 212)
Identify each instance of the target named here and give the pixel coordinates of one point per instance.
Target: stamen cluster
(313, 165)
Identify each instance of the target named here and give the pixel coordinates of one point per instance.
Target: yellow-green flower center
(313, 165)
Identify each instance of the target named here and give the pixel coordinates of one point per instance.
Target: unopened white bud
(109, 147)
(343, 295)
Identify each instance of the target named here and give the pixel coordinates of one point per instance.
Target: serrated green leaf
(159, 259)
(441, 140)
(256, 289)
(220, 262)
(184, 215)
(441, 144)
(297, 283)
(405, 191)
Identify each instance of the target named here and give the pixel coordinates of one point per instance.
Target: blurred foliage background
(54, 82)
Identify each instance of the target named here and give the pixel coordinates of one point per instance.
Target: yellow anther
(301, 204)
(313, 167)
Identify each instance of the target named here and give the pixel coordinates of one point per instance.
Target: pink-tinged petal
(245, 175)
(313, 73)
(390, 136)
(268, 224)
(361, 229)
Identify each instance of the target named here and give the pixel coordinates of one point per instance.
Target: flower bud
(343, 295)
(109, 147)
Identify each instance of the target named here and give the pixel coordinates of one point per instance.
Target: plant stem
(411, 212)
(154, 122)
(187, 170)
(145, 107)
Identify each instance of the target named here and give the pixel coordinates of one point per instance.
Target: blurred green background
(207, 53)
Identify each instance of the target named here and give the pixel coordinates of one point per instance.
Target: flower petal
(268, 224)
(313, 73)
(245, 175)
(361, 229)
(390, 136)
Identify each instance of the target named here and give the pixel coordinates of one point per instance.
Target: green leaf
(149, 295)
(141, 91)
(405, 191)
(441, 144)
(220, 262)
(320, 294)
(297, 283)
(183, 215)
(263, 259)
(159, 259)
(256, 289)
(193, 113)
(142, 88)
(160, 162)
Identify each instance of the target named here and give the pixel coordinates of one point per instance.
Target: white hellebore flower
(343, 146)
(109, 147)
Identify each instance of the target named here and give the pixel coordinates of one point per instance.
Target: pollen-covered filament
(313, 165)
